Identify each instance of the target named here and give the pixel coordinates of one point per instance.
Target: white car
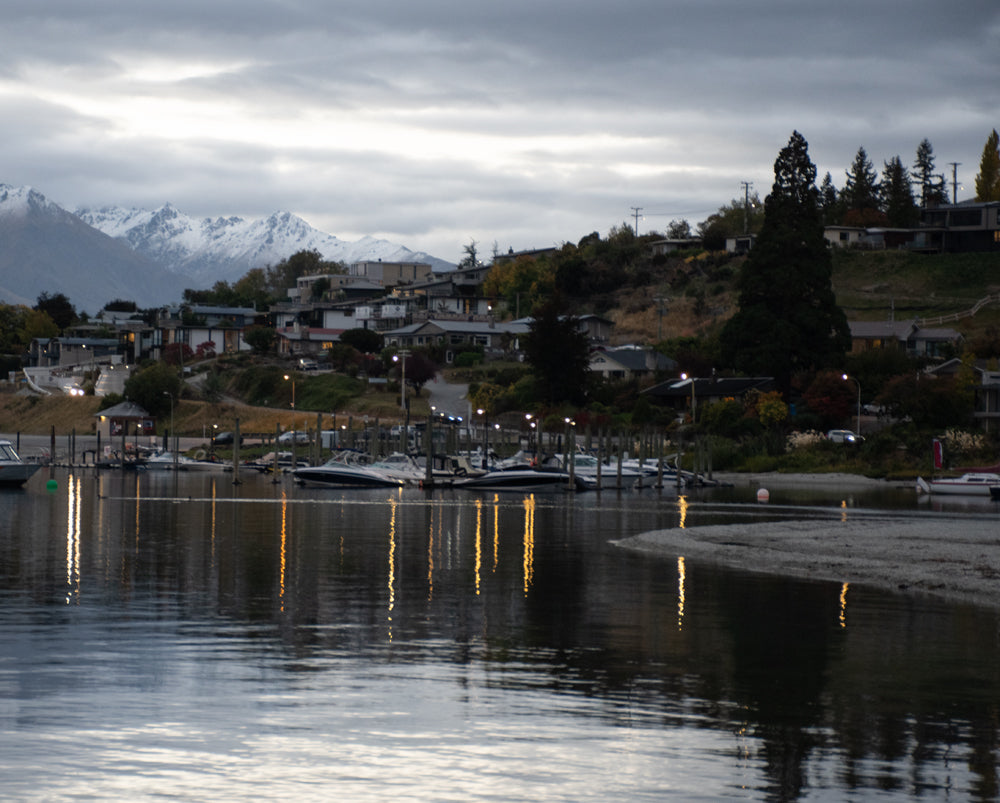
(843, 436)
(292, 436)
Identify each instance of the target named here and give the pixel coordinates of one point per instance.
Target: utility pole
(746, 185)
(635, 213)
(954, 181)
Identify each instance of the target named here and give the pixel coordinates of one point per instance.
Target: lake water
(179, 637)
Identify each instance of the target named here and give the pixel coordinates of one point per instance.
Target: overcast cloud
(525, 123)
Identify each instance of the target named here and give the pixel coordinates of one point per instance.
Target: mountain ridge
(150, 257)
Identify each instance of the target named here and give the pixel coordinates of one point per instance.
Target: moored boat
(522, 479)
(339, 471)
(14, 472)
(973, 482)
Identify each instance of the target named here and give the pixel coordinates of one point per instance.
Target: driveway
(448, 397)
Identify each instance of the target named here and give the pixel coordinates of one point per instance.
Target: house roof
(902, 330)
(125, 409)
(710, 387)
(634, 359)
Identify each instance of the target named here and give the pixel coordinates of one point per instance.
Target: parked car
(843, 436)
(226, 439)
(293, 436)
(305, 364)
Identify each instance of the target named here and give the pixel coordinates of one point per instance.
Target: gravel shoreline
(950, 556)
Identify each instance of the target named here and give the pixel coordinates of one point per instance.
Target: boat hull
(966, 485)
(522, 480)
(321, 476)
(14, 475)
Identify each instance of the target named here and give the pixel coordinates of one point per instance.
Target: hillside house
(970, 226)
(677, 393)
(197, 326)
(495, 339)
(629, 362)
(906, 336)
(391, 274)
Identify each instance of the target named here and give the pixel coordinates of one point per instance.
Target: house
(964, 227)
(845, 236)
(683, 393)
(197, 326)
(494, 338)
(125, 419)
(629, 362)
(986, 394)
(662, 247)
(906, 336)
(597, 329)
(391, 274)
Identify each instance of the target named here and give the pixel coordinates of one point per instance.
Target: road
(448, 397)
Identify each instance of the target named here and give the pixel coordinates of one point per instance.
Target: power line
(635, 211)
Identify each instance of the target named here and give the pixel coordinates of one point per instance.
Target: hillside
(870, 285)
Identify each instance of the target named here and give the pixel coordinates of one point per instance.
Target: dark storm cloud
(440, 122)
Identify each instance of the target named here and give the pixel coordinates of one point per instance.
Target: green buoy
(51, 485)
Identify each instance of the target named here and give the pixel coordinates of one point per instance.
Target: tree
(788, 319)
(731, 220)
(260, 339)
(931, 185)
(38, 323)
(367, 341)
(558, 352)
(679, 230)
(862, 191)
(988, 179)
(830, 204)
(897, 195)
(60, 310)
(154, 387)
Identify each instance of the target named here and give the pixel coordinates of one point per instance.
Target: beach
(951, 556)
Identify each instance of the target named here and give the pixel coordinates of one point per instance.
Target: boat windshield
(7, 453)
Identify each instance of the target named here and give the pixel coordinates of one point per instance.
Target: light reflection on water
(179, 636)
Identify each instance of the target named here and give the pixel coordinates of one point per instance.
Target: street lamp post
(292, 378)
(845, 378)
(401, 359)
(486, 437)
(693, 400)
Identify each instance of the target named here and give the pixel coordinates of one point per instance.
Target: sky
(521, 124)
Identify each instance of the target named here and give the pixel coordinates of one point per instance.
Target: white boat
(522, 479)
(978, 483)
(13, 470)
(340, 471)
(399, 466)
(587, 467)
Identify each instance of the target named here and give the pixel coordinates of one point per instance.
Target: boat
(973, 482)
(342, 471)
(522, 479)
(14, 472)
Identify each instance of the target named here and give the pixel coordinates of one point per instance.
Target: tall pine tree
(897, 195)
(788, 319)
(932, 189)
(988, 179)
(862, 193)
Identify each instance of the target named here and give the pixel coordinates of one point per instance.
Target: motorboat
(399, 466)
(341, 471)
(522, 479)
(14, 471)
(978, 483)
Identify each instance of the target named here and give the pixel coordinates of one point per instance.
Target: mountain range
(151, 257)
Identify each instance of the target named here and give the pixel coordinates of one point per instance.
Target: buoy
(51, 485)
(763, 495)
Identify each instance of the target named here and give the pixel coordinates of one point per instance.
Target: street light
(292, 378)
(845, 377)
(693, 401)
(401, 359)
(486, 436)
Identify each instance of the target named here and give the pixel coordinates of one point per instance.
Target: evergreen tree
(559, 354)
(862, 191)
(788, 319)
(829, 202)
(897, 195)
(932, 189)
(988, 180)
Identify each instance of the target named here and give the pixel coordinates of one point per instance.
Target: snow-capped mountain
(45, 249)
(225, 248)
